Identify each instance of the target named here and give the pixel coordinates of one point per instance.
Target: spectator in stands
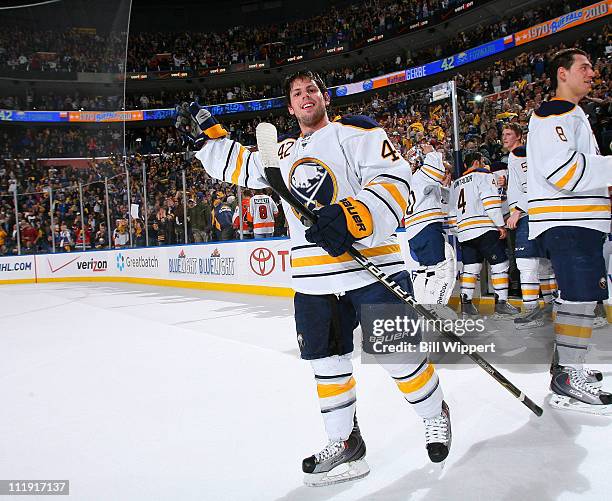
(197, 218)
(66, 238)
(101, 237)
(222, 220)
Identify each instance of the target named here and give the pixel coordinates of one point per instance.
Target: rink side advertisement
(253, 266)
(17, 269)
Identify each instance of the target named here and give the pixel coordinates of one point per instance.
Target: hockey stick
(267, 145)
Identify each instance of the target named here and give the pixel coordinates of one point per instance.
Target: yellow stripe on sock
(573, 331)
(333, 390)
(418, 382)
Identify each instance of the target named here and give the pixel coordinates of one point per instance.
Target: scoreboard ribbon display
(570, 20)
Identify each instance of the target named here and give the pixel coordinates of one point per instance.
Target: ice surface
(138, 393)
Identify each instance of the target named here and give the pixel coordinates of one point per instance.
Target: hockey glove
(340, 225)
(197, 125)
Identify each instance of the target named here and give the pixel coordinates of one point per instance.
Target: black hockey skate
(467, 307)
(338, 462)
(504, 310)
(592, 376)
(572, 391)
(530, 319)
(438, 435)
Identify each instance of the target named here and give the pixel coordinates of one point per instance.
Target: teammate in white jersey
(262, 213)
(350, 173)
(536, 271)
(569, 214)
(435, 278)
(476, 215)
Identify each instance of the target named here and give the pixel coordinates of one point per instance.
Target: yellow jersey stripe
(333, 390)
(433, 172)
(569, 208)
(492, 202)
(418, 382)
(423, 216)
(477, 221)
(395, 193)
(568, 175)
(239, 162)
(298, 262)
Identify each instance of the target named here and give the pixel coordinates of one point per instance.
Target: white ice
(135, 392)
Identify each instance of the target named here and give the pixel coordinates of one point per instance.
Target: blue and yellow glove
(197, 125)
(340, 225)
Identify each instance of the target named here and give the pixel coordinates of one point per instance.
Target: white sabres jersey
(425, 203)
(352, 157)
(567, 178)
(262, 211)
(475, 205)
(517, 180)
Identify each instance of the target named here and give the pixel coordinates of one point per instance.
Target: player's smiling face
(579, 77)
(307, 104)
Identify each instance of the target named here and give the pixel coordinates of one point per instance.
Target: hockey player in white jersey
(536, 271)
(262, 213)
(435, 278)
(569, 215)
(476, 215)
(350, 173)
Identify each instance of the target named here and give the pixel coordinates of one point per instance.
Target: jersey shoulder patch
(520, 151)
(554, 108)
(360, 121)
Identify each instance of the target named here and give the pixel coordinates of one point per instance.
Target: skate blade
(529, 325)
(499, 316)
(345, 472)
(600, 323)
(565, 403)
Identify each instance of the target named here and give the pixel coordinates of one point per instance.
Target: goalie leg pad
(435, 284)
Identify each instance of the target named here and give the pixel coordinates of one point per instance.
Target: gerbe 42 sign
(263, 261)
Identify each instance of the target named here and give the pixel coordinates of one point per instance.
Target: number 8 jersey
(475, 205)
(567, 178)
(262, 211)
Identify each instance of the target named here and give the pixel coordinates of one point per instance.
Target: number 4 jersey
(351, 157)
(475, 205)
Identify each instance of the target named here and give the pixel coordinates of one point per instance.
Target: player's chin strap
(267, 144)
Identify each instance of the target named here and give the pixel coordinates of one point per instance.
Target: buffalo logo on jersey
(313, 183)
